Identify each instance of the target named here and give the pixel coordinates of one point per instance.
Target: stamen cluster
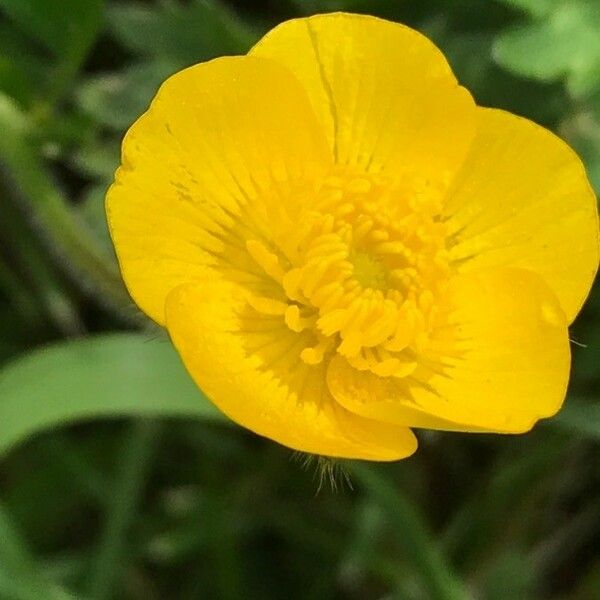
(361, 269)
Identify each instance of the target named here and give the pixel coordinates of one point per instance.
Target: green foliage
(65, 27)
(562, 41)
(164, 40)
(581, 417)
(413, 536)
(114, 375)
(117, 99)
(536, 8)
(185, 34)
(105, 494)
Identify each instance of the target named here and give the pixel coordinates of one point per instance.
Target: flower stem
(39, 199)
(20, 576)
(412, 535)
(135, 460)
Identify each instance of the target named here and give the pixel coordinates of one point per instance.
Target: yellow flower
(342, 245)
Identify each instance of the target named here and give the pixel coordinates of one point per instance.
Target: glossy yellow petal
(384, 93)
(248, 364)
(507, 366)
(221, 141)
(523, 200)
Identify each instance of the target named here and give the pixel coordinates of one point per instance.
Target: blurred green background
(118, 480)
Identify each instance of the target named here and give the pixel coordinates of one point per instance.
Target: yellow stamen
(265, 259)
(267, 306)
(365, 269)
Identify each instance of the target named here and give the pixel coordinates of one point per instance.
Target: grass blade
(416, 542)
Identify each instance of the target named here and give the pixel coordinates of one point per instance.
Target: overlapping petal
(221, 140)
(384, 93)
(523, 200)
(248, 365)
(502, 364)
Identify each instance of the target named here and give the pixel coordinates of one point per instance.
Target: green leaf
(67, 28)
(134, 464)
(413, 536)
(564, 44)
(380, 8)
(537, 8)
(187, 34)
(64, 232)
(494, 504)
(115, 375)
(167, 38)
(63, 27)
(580, 417)
(117, 99)
(22, 72)
(93, 212)
(470, 55)
(20, 575)
(98, 160)
(582, 131)
(510, 574)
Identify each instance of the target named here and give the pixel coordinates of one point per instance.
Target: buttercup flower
(343, 246)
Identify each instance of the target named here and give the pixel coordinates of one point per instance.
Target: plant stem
(20, 576)
(39, 199)
(412, 535)
(131, 474)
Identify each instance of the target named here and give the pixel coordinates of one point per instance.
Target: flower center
(368, 271)
(360, 269)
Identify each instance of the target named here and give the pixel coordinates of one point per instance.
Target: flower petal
(523, 200)
(383, 91)
(220, 141)
(248, 365)
(512, 367)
